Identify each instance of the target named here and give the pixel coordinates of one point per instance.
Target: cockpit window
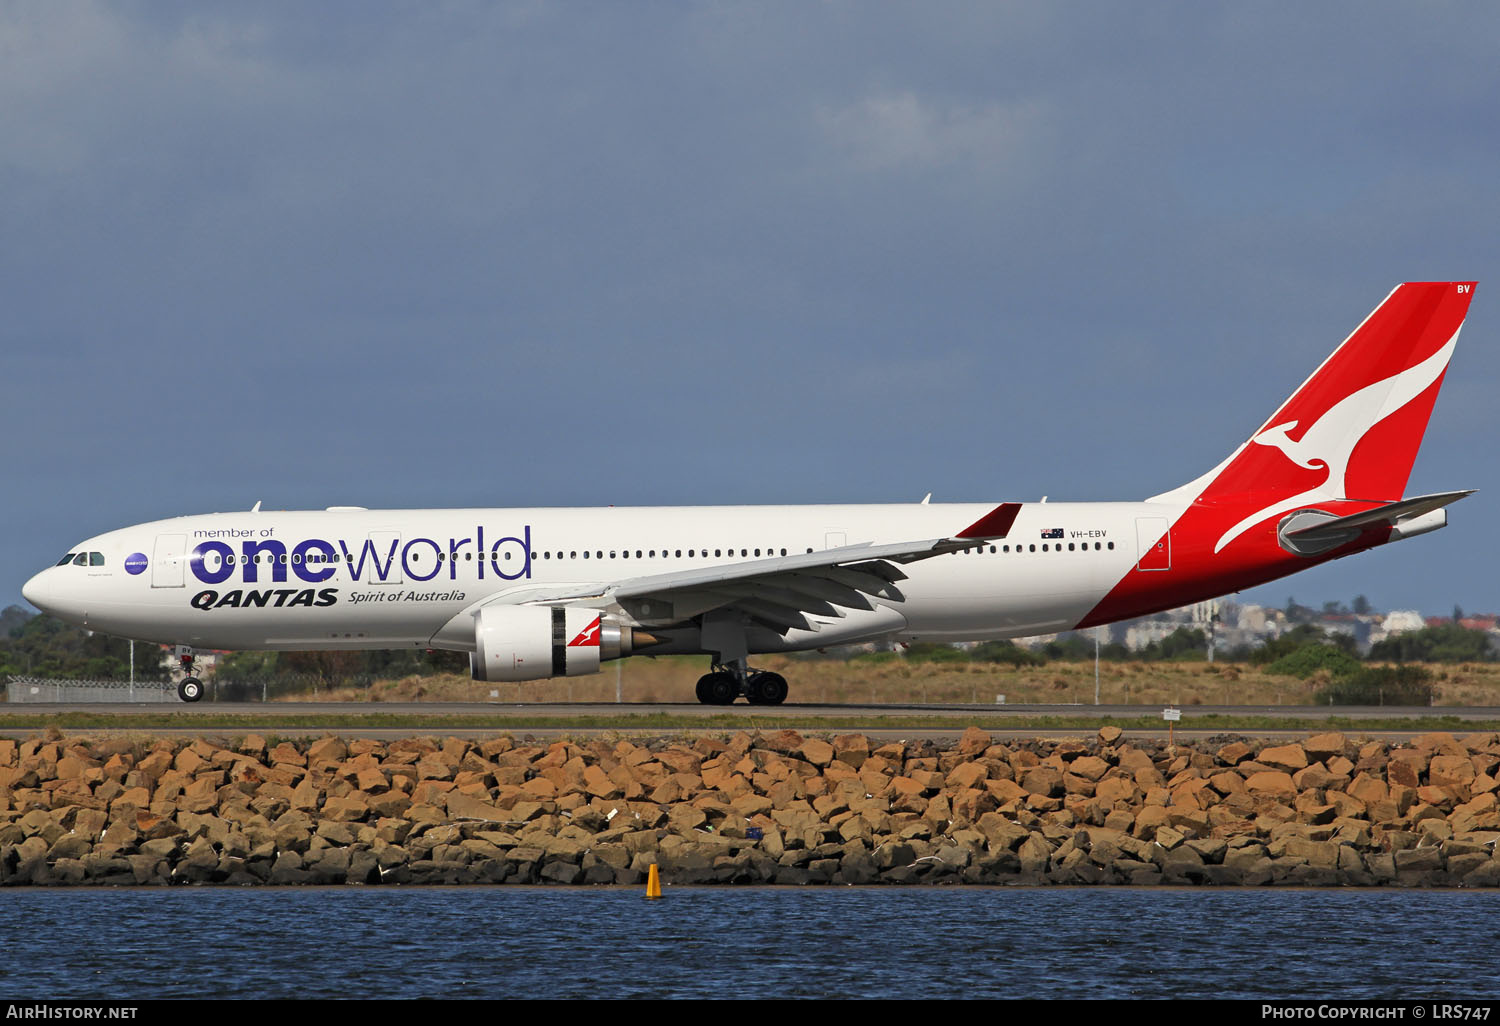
(65, 560)
(82, 559)
(96, 559)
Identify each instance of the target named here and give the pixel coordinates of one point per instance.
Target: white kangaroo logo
(1331, 439)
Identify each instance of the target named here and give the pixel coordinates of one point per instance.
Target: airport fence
(51, 689)
(261, 688)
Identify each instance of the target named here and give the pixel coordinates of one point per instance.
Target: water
(748, 943)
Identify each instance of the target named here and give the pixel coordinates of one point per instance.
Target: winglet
(994, 524)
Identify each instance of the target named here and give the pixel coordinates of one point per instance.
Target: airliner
(539, 593)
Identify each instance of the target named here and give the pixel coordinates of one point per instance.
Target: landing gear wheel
(190, 690)
(766, 688)
(718, 688)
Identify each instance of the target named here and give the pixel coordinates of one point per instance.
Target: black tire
(720, 688)
(752, 689)
(767, 688)
(190, 690)
(702, 689)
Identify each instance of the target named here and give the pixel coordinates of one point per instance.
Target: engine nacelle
(516, 643)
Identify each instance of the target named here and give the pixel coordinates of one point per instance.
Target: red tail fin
(1352, 430)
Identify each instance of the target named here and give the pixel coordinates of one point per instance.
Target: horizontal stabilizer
(1309, 532)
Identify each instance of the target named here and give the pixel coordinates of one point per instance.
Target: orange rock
(327, 749)
(1274, 783)
(1404, 772)
(1284, 757)
(1439, 743)
(1323, 747)
(967, 775)
(1443, 770)
(851, 749)
(973, 742)
(1148, 820)
(680, 760)
(1005, 790)
(818, 753)
(971, 803)
(1044, 781)
(1116, 790)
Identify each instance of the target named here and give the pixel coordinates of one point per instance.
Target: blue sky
(491, 254)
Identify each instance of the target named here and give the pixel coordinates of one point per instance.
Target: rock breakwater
(750, 809)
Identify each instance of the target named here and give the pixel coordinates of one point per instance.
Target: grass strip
(279, 722)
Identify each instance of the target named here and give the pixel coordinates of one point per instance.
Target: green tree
(43, 646)
(1302, 634)
(1381, 685)
(1182, 645)
(934, 652)
(1444, 643)
(1310, 657)
(1005, 652)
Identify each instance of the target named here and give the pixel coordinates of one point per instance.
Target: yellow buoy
(653, 883)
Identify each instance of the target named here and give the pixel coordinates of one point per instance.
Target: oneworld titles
(379, 559)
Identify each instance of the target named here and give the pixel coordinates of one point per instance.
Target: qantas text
(273, 598)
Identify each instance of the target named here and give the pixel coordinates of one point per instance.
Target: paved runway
(388, 720)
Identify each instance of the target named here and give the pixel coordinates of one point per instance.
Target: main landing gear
(727, 681)
(190, 688)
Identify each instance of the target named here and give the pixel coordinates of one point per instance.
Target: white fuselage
(400, 578)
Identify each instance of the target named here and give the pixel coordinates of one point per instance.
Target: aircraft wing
(781, 591)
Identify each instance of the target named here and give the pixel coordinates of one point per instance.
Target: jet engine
(517, 643)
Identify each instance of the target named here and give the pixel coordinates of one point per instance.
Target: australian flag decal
(1053, 532)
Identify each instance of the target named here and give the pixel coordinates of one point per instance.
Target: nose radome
(36, 591)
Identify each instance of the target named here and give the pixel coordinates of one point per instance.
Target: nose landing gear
(190, 688)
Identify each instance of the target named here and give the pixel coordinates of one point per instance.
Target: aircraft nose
(40, 591)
